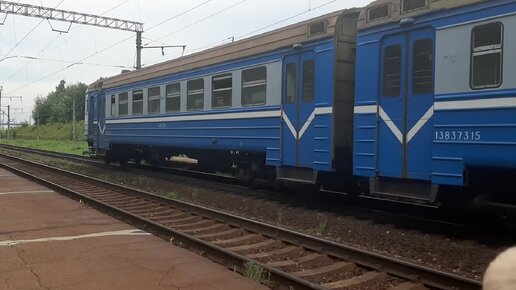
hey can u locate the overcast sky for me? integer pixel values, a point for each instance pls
(212, 23)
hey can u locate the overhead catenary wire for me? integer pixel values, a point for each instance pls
(104, 49)
(178, 15)
(165, 21)
(224, 41)
(287, 19)
(27, 35)
(204, 19)
(31, 59)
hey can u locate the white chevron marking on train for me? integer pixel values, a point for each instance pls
(390, 124)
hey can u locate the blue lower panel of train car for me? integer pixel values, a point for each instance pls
(256, 130)
(473, 131)
(364, 154)
(250, 131)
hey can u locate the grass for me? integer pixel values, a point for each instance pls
(69, 147)
(256, 272)
(280, 216)
(171, 194)
(53, 137)
(195, 195)
(321, 226)
(57, 131)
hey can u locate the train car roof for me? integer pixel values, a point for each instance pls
(382, 12)
(309, 30)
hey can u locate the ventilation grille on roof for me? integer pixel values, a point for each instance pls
(378, 12)
(409, 5)
(317, 28)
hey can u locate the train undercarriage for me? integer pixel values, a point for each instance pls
(487, 189)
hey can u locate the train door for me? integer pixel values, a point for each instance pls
(406, 105)
(99, 119)
(298, 104)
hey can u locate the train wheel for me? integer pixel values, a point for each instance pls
(107, 158)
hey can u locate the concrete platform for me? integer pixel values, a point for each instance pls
(48, 241)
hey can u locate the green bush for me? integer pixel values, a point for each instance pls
(56, 131)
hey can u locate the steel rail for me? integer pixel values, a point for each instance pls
(409, 271)
(229, 259)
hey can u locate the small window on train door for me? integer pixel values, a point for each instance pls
(422, 67)
(123, 104)
(173, 97)
(254, 86)
(290, 83)
(222, 91)
(113, 105)
(308, 81)
(195, 95)
(392, 71)
(138, 102)
(154, 102)
(487, 56)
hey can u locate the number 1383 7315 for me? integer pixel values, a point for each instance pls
(458, 135)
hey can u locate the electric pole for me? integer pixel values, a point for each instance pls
(73, 121)
(8, 122)
(1, 115)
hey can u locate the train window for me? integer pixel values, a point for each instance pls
(173, 97)
(409, 5)
(378, 12)
(195, 96)
(113, 105)
(254, 86)
(422, 68)
(487, 56)
(290, 84)
(137, 102)
(123, 104)
(154, 103)
(222, 86)
(308, 81)
(392, 71)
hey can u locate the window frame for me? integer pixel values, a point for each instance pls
(432, 68)
(384, 66)
(153, 98)
(133, 102)
(254, 84)
(169, 97)
(113, 106)
(405, 11)
(291, 83)
(120, 103)
(190, 93)
(386, 5)
(303, 83)
(311, 28)
(484, 50)
(220, 77)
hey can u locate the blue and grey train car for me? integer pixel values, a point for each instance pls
(435, 98)
(278, 104)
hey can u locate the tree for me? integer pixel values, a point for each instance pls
(57, 107)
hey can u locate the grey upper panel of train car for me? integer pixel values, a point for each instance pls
(386, 11)
(313, 29)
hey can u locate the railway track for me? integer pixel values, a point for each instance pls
(408, 216)
(282, 257)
